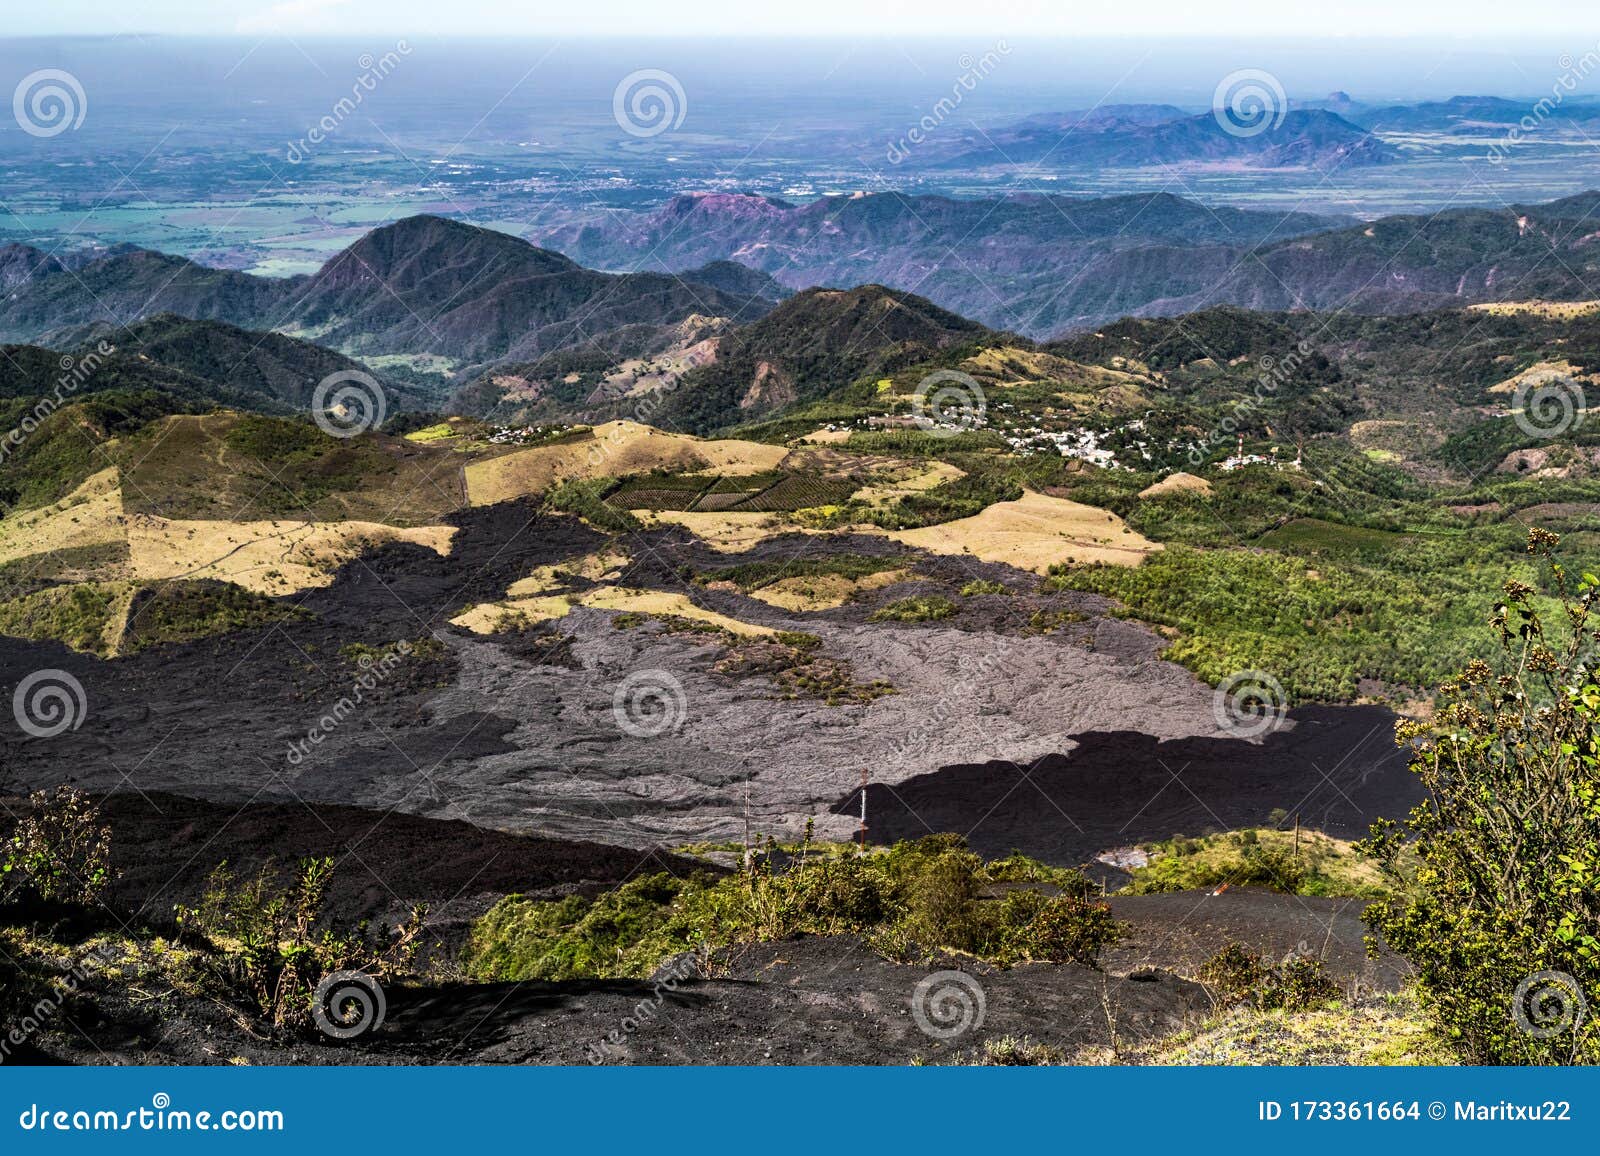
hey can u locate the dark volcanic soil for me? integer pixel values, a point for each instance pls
(811, 1001)
(1063, 744)
(1337, 769)
(164, 847)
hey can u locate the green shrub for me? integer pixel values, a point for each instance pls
(274, 946)
(981, 586)
(1501, 913)
(921, 609)
(908, 902)
(1236, 975)
(60, 851)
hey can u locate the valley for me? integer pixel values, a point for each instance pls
(1110, 568)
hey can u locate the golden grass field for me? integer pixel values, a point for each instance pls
(1533, 373)
(824, 591)
(605, 566)
(616, 448)
(1179, 483)
(89, 516)
(489, 617)
(1034, 533)
(269, 557)
(1555, 310)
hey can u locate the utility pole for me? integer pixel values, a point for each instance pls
(863, 810)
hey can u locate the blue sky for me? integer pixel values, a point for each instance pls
(1490, 20)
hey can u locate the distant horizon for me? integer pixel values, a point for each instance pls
(902, 19)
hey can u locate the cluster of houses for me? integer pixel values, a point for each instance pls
(505, 435)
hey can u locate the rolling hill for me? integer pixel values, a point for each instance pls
(424, 286)
(1045, 266)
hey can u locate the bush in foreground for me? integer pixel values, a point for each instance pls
(1501, 912)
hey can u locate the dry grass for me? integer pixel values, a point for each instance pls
(1369, 1031)
(1534, 372)
(490, 617)
(1555, 310)
(268, 557)
(1179, 483)
(1034, 533)
(726, 533)
(614, 449)
(823, 592)
(827, 437)
(605, 566)
(907, 478)
(89, 516)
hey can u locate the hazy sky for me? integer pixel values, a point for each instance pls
(1578, 20)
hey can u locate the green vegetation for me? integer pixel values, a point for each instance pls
(585, 497)
(185, 611)
(907, 901)
(1298, 863)
(87, 616)
(756, 575)
(1499, 912)
(303, 464)
(924, 608)
(1236, 975)
(69, 445)
(980, 586)
(1318, 628)
(111, 618)
(59, 852)
(274, 945)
